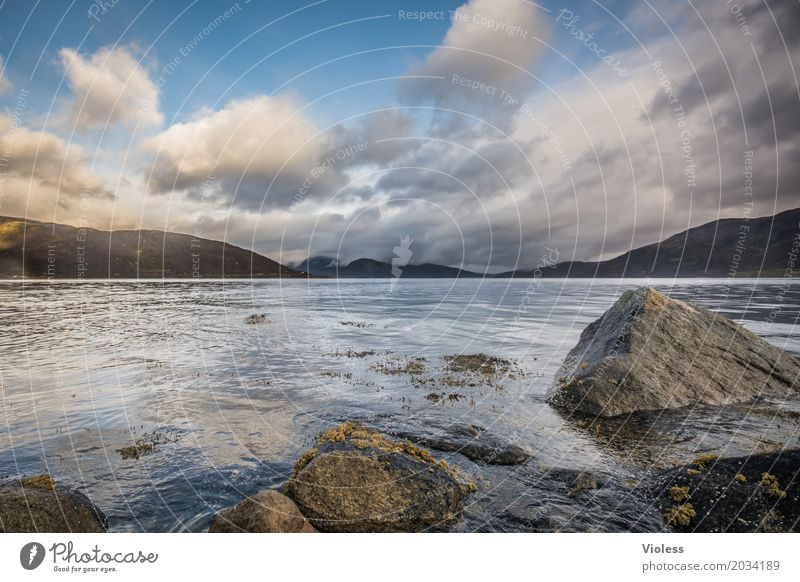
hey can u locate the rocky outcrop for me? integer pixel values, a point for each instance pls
(356, 480)
(649, 352)
(264, 512)
(475, 443)
(760, 493)
(38, 505)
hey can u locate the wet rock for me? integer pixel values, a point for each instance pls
(356, 480)
(649, 352)
(582, 482)
(256, 318)
(575, 481)
(38, 505)
(760, 493)
(544, 503)
(475, 443)
(264, 512)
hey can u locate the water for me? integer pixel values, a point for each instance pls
(87, 367)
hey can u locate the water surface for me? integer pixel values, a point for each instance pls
(87, 367)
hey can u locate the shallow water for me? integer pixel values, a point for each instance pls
(87, 367)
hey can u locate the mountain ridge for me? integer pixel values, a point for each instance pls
(37, 249)
(708, 250)
(45, 250)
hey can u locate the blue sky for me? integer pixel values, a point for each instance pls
(233, 61)
(139, 103)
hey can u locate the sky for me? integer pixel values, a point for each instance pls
(491, 133)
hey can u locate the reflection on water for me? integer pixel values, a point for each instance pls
(87, 368)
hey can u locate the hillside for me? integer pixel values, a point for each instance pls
(709, 250)
(45, 250)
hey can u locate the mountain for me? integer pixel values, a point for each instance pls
(372, 269)
(729, 246)
(45, 250)
(721, 248)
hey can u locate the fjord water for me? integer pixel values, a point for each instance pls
(88, 367)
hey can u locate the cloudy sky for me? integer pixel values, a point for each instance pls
(487, 131)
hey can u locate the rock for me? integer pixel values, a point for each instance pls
(760, 493)
(649, 352)
(575, 481)
(582, 482)
(256, 318)
(264, 512)
(357, 480)
(38, 505)
(475, 443)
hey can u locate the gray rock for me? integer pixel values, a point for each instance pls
(38, 506)
(256, 318)
(264, 512)
(356, 480)
(649, 352)
(582, 482)
(475, 443)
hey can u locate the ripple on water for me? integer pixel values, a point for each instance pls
(88, 367)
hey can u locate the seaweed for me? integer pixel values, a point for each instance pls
(679, 494)
(771, 486)
(704, 460)
(145, 444)
(681, 514)
(43, 481)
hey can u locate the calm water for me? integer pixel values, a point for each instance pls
(87, 367)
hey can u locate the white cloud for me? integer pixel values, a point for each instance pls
(490, 42)
(110, 87)
(42, 172)
(248, 148)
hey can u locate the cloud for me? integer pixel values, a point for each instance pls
(41, 173)
(595, 166)
(257, 150)
(5, 84)
(490, 48)
(110, 87)
(592, 165)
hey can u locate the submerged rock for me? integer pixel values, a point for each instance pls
(574, 481)
(649, 352)
(760, 493)
(38, 505)
(264, 512)
(582, 482)
(256, 318)
(475, 443)
(357, 480)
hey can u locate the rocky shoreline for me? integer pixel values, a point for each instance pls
(646, 353)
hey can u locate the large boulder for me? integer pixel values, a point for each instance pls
(264, 512)
(357, 480)
(759, 493)
(649, 352)
(38, 505)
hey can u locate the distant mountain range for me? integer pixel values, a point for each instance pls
(729, 246)
(372, 269)
(38, 250)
